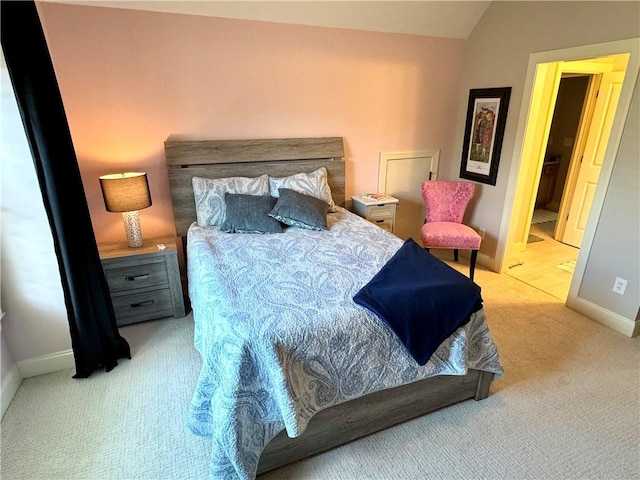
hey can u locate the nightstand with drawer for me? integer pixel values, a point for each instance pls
(380, 210)
(144, 282)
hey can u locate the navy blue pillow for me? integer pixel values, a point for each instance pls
(422, 299)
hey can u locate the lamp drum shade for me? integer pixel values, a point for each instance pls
(125, 192)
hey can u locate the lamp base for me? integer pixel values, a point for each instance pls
(132, 229)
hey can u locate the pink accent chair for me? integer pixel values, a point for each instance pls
(445, 203)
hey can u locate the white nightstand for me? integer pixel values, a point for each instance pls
(381, 211)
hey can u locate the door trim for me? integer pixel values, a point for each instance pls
(512, 204)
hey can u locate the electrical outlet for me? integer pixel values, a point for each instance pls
(619, 285)
(481, 232)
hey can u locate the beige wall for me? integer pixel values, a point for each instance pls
(498, 56)
(129, 79)
(616, 245)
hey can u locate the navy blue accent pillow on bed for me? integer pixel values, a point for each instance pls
(422, 299)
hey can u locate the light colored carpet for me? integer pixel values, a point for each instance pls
(567, 408)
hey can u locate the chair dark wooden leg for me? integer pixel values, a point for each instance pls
(472, 263)
(455, 254)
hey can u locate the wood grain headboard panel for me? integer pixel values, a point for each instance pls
(247, 158)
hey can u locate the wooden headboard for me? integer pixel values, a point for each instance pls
(247, 158)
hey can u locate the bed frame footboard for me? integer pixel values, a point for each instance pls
(362, 416)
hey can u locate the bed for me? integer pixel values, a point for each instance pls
(291, 365)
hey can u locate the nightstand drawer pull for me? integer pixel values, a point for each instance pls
(138, 277)
(142, 304)
(384, 212)
(126, 277)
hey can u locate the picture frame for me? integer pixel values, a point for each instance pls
(483, 133)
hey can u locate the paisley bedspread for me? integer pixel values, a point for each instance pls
(281, 338)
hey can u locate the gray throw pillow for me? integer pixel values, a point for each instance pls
(300, 210)
(249, 214)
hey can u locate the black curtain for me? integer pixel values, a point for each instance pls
(95, 338)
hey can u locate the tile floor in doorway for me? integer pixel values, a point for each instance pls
(546, 264)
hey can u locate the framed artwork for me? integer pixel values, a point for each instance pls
(483, 132)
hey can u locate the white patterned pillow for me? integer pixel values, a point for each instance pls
(314, 184)
(209, 195)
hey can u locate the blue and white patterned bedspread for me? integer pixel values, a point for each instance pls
(281, 338)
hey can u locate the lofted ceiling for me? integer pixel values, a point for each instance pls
(450, 19)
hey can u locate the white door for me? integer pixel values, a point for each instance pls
(591, 163)
(401, 175)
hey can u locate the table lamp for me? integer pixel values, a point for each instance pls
(127, 193)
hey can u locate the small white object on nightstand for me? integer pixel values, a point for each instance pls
(162, 246)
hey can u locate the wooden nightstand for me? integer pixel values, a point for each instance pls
(381, 211)
(144, 282)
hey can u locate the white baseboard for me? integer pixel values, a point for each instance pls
(618, 323)
(53, 362)
(606, 317)
(9, 387)
(486, 261)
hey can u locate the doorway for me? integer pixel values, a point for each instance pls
(562, 166)
(547, 263)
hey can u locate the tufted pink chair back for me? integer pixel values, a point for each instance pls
(446, 201)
